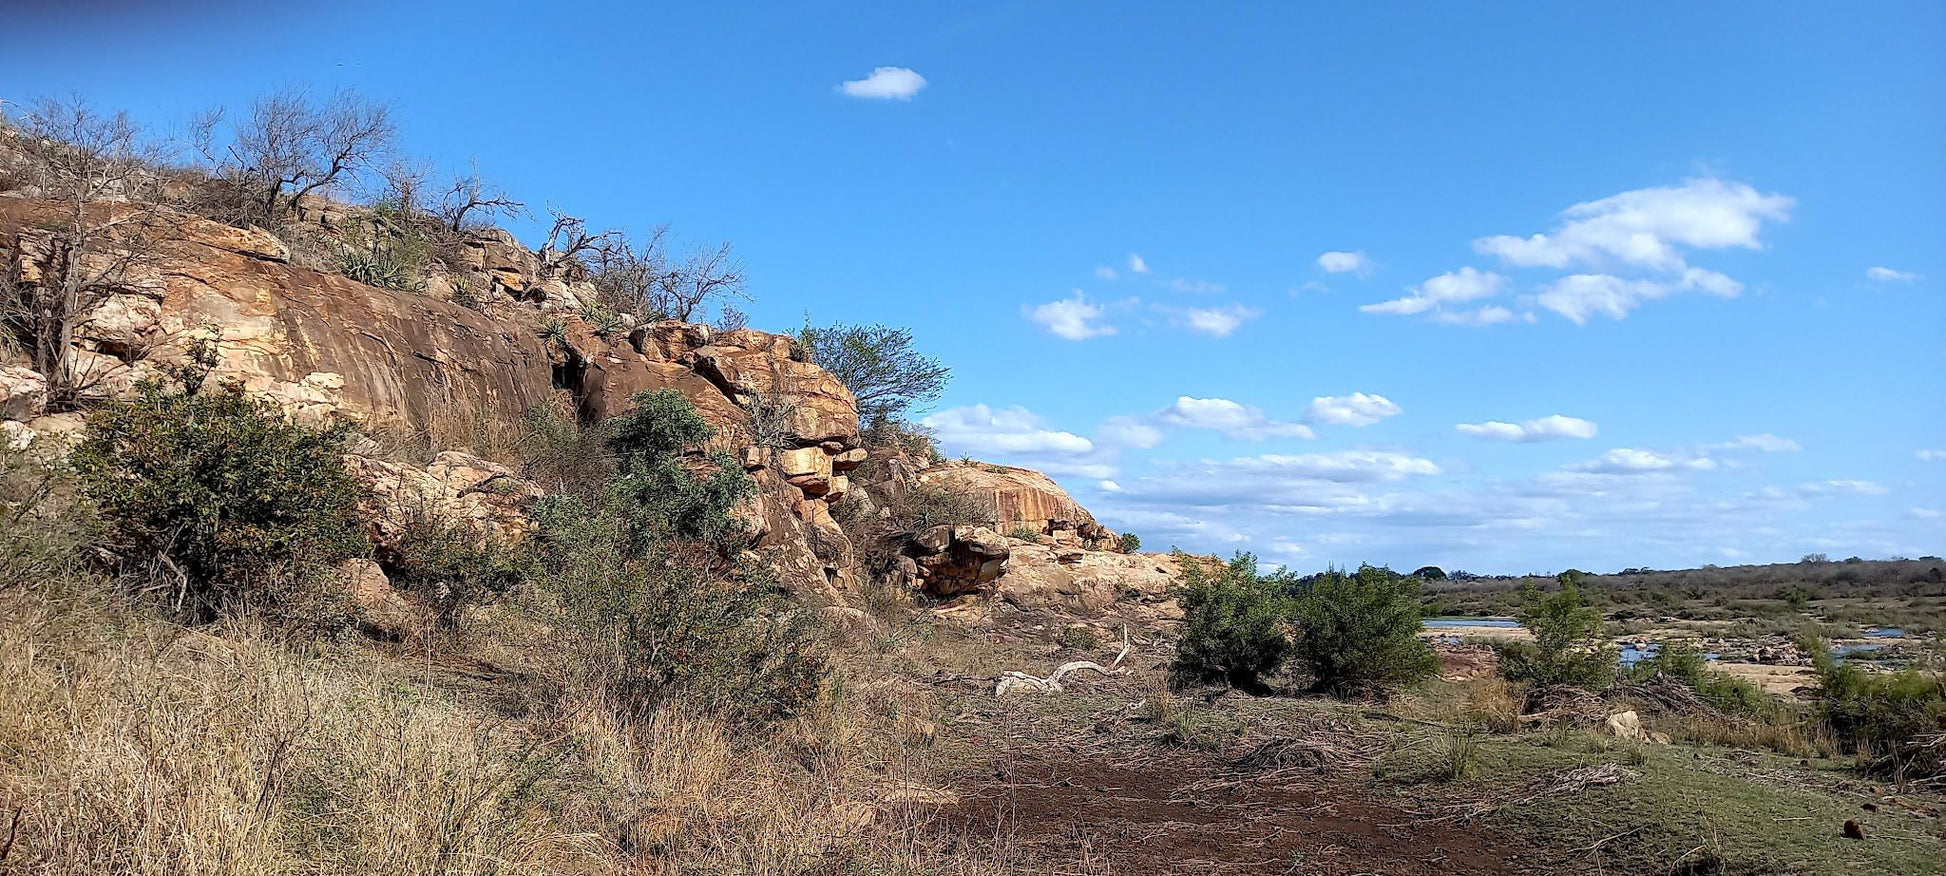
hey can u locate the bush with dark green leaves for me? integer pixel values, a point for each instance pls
(655, 608)
(1357, 632)
(1893, 719)
(1233, 624)
(1567, 647)
(879, 365)
(215, 498)
(1130, 542)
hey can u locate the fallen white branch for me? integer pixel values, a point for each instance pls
(1015, 681)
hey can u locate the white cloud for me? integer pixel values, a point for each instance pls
(1357, 409)
(1887, 275)
(1343, 466)
(1453, 287)
(1072, 318)
(1581, 296)
(1338, 262)
(1839, 487)
(1105, 272)
(1766, 443)
(1231, 418)
(1128, 432)
(885, 83)
(1647, 227)
(1930, 455)
(1492, 314)
(1624, 460)
(1136, 265)
(1218, 322)
(1549, 428)
(1206, 287)
(980, 429)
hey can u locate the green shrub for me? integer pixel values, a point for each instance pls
(453, 567)
(1358, 632)
(662, 490)
(218, 496)
(1895, 719)
(1567, 647)
(1232, 628)
(1130, 542)
(1023, 532)
(649, 601)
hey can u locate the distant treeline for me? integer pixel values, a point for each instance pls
(1813, 578)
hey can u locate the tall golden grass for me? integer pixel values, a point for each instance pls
(133, 746)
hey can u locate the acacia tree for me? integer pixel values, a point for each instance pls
(879, 365)
(100, 171)
(471, 198)
(290, 145)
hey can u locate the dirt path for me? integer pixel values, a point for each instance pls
(1174, 813)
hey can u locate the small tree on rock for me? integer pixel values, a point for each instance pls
(880, 367)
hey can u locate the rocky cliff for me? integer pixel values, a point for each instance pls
(498, 330)
(323, 346)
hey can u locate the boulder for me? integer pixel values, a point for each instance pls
(455, 488)
(1090, 584)
(23, 393)
(1627, 726)
(1018, 498)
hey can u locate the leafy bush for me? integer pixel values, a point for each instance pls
(1567, 647)
(1896, 719)
(1023, 532)
(662, 492)
(1130, 542)
(1232, 627)
(454, 567)
(218, 493)
(650, 602)
(879, 365)
(1358, 632)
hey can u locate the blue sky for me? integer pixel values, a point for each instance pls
(1656, 284)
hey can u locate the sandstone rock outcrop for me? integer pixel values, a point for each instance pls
(1018, 498)
(325, 347)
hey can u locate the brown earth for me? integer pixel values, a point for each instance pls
(1177, 812)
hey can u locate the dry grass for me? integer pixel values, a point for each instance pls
(132, 746)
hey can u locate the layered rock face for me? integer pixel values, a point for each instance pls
(1017, 498)
(325, 347)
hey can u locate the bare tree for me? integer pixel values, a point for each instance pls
(405, 184)
(570, 243)
(707, 276)
(101, 172)
(290, 146)
(472, 198)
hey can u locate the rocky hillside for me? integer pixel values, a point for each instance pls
(499, 329)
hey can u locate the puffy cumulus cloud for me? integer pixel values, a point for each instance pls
(1930, 455)
(1647, 228)
(1217, 322)
(885, 83)
(1137, 265)
(1338, 262)
(1886, 275)
(1626, 460)
(1582, 296)
(978, 429)
(1453, 287)
(1549, 428)
(1128, 432)
(1765, 443)
(1357, 409)
(1230, 418)
(1074, 318)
